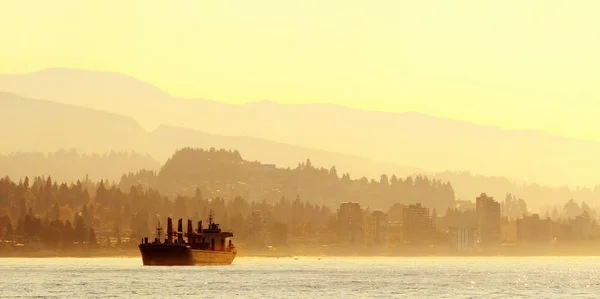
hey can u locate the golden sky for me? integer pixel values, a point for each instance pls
(512, 63)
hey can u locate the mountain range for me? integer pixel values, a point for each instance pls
(102, 111)
(44, 126)
(410, 138)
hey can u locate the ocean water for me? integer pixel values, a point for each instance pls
(304, 277)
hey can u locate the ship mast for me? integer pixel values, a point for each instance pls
(211, 214)
(158, 230)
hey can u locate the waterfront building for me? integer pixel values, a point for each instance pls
(508, 229)
(488, 221)
(532, 230)
(581, 227)
(378, 228)
(416, 224)
(463, 239)
(257, 232)
(350, 223)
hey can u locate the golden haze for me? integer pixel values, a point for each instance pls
(515, 64)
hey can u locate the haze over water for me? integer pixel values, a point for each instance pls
(306, 277)
(322, 128)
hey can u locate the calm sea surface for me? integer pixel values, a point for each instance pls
(306, 277)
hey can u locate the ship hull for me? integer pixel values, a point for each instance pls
(170, 255)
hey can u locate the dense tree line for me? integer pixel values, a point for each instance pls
(85, 212)
(513, 207)
(69, 165)
(62, 215)
(41, 211)
(226, 173)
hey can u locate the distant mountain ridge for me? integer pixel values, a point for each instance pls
(410, 138)
(43, 126)
(70, 166)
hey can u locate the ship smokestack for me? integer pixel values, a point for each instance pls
(190, 231)
(200, 227)
(169, 231)
(180, 231)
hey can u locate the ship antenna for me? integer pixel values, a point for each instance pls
(211, 214)
(158, 230)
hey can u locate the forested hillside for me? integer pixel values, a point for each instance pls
(226, 174)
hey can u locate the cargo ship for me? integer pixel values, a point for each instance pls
(204, 246)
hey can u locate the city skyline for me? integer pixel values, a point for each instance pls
(299, 148)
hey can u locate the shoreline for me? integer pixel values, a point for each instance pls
(556, 250)
(304, 255)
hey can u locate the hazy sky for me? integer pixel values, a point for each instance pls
(513, 63)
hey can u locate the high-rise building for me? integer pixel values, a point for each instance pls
(350, 223)
(378, 228)
(416, 223)
(257, 229)
(488, 221)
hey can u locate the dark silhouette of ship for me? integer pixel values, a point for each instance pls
(202, 247)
